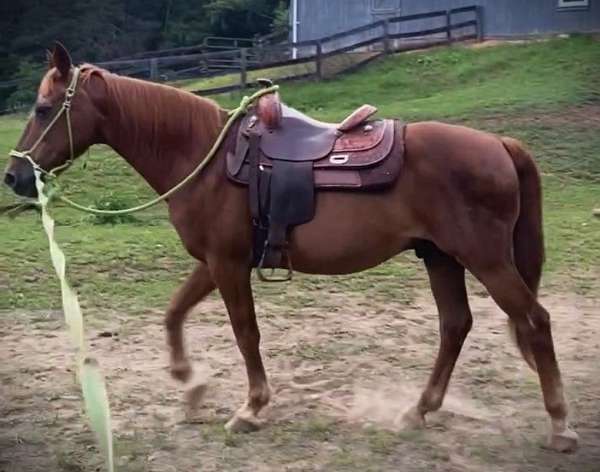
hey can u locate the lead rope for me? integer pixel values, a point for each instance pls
(233, 115)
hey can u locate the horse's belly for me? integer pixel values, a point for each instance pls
(352, 232)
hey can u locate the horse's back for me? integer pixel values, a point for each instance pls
(447, 170)
(459, 156)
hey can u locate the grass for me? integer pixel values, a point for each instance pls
(273, 73)
(330, 66)
(133, 266)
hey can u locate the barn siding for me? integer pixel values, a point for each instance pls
(319, 18)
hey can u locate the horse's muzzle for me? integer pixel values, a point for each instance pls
(21, 180)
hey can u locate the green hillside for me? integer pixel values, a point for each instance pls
(545, 93)
(459, 81)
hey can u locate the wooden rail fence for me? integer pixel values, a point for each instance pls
(213, 58)
(380, 38)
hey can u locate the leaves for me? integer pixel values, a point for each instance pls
(28, 76)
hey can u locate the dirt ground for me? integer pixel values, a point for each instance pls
(342, 368)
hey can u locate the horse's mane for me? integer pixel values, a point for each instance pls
(157, 114)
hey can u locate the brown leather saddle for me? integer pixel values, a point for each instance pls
(283, 155)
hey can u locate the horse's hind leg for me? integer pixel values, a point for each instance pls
(447, 279)
(233, 281)
(198, 285)
(510, 292)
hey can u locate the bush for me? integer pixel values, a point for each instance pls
(28, 76)
(111, 202)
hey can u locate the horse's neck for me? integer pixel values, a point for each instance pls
(162, 147)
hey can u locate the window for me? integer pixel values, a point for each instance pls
(568, 4)
(381, 6)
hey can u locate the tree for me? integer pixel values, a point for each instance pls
(28, 76)
(242, 18)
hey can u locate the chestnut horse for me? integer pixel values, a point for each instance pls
(465, 199)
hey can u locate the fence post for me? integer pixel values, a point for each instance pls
(479, 25)
(153, 69)
(448, 25)
(243, 67)
(319, 60)
(386, 37)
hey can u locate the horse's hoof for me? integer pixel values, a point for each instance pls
(181, 370)
(193, 397)
(241, 423)
(412, 419)
(565, 441)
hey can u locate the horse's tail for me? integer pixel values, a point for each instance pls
(528, 237)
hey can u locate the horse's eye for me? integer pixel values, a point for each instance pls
(42, 111)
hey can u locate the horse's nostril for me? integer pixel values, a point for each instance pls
(10, 179)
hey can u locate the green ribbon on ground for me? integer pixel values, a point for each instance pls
(92, 383)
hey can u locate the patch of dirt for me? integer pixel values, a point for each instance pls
(587, 114)
(488, 43)
(340, 378)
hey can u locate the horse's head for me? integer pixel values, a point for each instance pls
(63, 124)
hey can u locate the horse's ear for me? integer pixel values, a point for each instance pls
(61, 59)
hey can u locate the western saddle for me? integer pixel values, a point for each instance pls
(283, 155)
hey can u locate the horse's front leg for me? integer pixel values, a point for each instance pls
(233, 281)
(198, 285)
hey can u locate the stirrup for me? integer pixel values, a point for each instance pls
(271, 277)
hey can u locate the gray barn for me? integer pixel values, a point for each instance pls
(501, 18)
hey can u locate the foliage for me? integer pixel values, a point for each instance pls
(242, 18)
(111, 202)
(28, 76)
(281, 20)
(185, 23)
